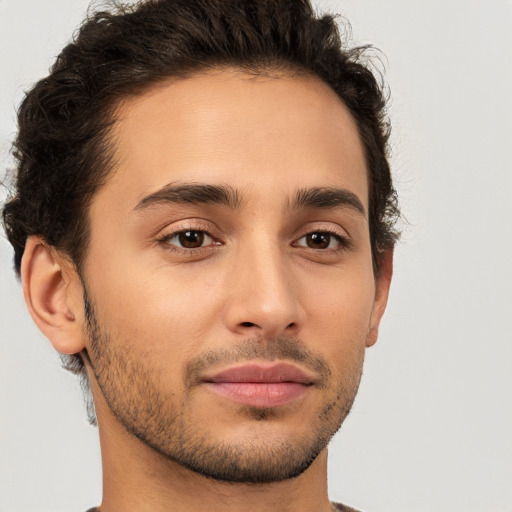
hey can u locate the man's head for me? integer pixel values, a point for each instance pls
(206, 198)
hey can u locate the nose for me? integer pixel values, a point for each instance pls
(263, 295)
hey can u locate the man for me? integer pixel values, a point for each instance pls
(203, 226)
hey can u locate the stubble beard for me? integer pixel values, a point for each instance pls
(161, 421)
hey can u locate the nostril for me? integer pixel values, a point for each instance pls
(247, 324)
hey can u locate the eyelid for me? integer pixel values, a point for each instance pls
(343, 240)
(343, 237)
(322, 227)
(187, 225)
(167, 239)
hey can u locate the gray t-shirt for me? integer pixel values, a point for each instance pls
(338, 506)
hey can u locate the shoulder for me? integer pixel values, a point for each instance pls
(343, 508)
(336, 506)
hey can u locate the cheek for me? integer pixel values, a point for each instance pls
(167, 311)
(341, 309)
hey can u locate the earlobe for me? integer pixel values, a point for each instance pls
(382, 284)
(50, 291)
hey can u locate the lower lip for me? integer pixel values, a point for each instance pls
(259, 394)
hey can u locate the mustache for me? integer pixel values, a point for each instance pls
(281, 348)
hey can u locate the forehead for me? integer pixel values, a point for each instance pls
(272, 134)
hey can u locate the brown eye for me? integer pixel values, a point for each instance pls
(321, 240)
(190, 239)
(318, 240)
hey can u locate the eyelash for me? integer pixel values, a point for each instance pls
(165, 239)
(343, 241)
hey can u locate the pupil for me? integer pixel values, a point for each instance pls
(318, 240)
(191, 239)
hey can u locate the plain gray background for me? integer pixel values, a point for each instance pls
(431, 429)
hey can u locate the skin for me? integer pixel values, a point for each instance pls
(258, 286)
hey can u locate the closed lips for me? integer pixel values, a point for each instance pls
(258, 385)
(256, 373)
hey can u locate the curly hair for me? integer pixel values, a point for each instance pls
(63, 151)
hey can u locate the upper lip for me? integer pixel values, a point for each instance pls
(261, 373)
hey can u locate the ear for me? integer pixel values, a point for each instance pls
(52, 291)
(382, 284)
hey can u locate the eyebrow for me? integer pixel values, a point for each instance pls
(225, 195)
(192, 193)
(326, 197)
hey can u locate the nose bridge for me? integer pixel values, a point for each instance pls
(264, 297)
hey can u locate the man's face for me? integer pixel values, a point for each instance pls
(229, 279)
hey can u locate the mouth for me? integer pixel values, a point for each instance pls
(260, 385)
